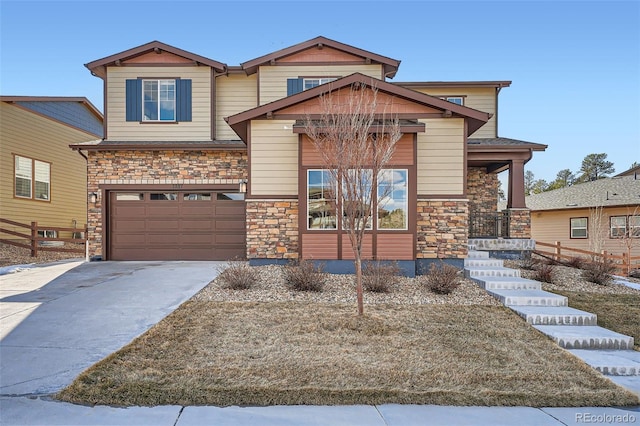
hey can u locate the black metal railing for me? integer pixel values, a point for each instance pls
(488, 225)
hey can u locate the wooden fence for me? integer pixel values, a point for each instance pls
(624, 262)
(34, 239)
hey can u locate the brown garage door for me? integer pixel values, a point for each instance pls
(175, 225)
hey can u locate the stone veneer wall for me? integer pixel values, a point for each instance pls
(156, 167)
(482, 190)
(519, 221)
(272, 229)
(443, 229)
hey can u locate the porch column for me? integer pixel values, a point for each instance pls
(516, 185)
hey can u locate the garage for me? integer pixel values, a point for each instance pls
(176, 225)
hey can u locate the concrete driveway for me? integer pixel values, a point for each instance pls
(58, 320)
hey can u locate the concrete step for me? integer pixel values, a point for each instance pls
(586, 337)
(484, 263)
(611, 362)
(528, 298)
(555, 315)
(473, 254)
(472, 272)
(507, 283)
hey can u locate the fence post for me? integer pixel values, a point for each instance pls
(604, 256)
(34, 243)
(558, 251)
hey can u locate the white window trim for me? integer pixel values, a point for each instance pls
(406, 202)
(572, 228)
(309, 228)
(623, 227)
(159, 81)
(33, 178)
(321, 81)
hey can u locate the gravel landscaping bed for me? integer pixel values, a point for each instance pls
(341, 289)
(13, 255)
(566, 278)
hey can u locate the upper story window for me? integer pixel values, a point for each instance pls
(159, 100)
(310, 83)
(32, 179)
(297, 85)
(454, 99)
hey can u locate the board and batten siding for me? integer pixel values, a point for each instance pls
(554, 225)
(273, 79)
(199, 129)
(440, 157)
(235, 93)
(480, 98)
(274, 158)
(33, 136)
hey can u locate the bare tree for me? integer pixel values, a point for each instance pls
(355, 140)
(598, 230)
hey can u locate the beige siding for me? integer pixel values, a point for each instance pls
(440, 159)
(480, 98)
(274, 158)
(199, 129)
(234, 93)
(29, 135)
(552, 226)
(273, 79)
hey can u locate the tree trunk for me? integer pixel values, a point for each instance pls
(359, 285)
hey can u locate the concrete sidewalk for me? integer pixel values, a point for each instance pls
(24, 411)
(58, 320)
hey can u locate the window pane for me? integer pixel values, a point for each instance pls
(634, 226)
(579, 227)
(43, 178)
(233, 196)
(618, 226)
(165, 196)
(23, 173)
(129, 196)
(197, 197)
(357, 194)
(23, 187)
(455, 100)
(392, 199)
(321, 202)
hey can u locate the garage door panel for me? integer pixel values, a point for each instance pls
(229, 224)
(230, 239)
(177, 229)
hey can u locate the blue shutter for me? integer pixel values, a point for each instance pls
(134, 100)
(183, 100)
(294, 85)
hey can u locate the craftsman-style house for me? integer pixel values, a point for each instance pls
(202, 161)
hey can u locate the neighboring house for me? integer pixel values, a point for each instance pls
(202, 160)
(590, 215)
(42, 179)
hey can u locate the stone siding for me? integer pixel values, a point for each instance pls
(155, 168)
(482, 190)
(519, 221)
(272, 229)
(443, 229)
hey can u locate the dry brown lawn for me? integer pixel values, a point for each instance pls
(267, 353)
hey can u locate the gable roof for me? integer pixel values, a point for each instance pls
(616, 191)
(76, 112)
(390, 65)
(632, 171)
(98, 67)
(475, 118)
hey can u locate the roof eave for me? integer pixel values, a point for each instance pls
(98, 67)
